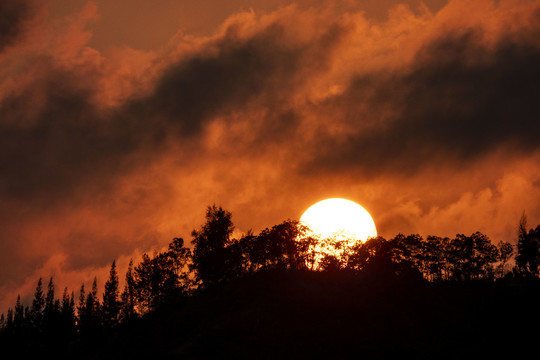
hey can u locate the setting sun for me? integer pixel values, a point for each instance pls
(339, 218)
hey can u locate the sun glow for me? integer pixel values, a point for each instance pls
(337, 225)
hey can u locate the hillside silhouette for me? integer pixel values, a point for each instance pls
(268, 296)
(291, 314)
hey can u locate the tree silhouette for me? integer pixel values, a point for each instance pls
(159, 279)
(471, 257)
(127, 310)
(385, 258)
(407, 252)
(434, 258)
(89, 319)
(209, 247)
(528, 245)
(52, 305)
(243, 250)
(151, 282)
(38, 306)
(236, 259)
(10, 321)
(255, 249)
(485, 254)
(181, 259)
(330, 263)
(51, 314)
(67, 315)
(111, 304)
(506, 250)
(372, 255)
(81, 308)
(281, 246)
(18, 317)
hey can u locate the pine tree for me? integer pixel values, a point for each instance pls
(51, 314)
(10, 321)
(65, 301)
(92, 308)
(96, 304)
(18, 317)
(81, 305)
(67, 313)
(127, 310)
(89, 311)
(111, 305)
(49, 300)
(82, 313)
(38, 305)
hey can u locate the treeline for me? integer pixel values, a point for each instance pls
(162, 280)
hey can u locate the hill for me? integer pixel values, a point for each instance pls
(295, 314)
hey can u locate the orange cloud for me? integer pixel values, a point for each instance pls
(426, 118)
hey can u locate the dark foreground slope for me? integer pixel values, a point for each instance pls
(307, 315)
(335, 315)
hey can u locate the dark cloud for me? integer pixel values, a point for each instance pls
(191, 92)
(13, 14)
(52, 136)
(64, 142)
(460, 100)
(232, 75)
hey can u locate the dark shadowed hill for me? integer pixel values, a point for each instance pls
(286, 314)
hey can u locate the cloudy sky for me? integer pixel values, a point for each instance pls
(121, 121)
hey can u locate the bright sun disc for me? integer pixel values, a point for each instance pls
(339, 218)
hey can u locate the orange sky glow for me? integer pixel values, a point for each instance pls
(120, 122)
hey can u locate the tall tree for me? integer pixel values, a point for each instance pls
(160, 280)
(18, 317)
(375, 254)
(407, 251)
(38, 305)
(182, 258)
(111, 304)
(67, 313)
(210, 242)
(528, 249)
(10, 321)
(506, 250)
(127, 310)
(472, 257)
(81, 306)
(92, 304)
(434, 258)
(281, 245)
(51, 314)
(89, 311)
(49, 300)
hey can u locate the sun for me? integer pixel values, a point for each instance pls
(339, 217)
(338, 225)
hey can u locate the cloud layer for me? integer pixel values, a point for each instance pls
(457, 102)
(429, 120)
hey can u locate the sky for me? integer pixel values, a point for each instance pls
(121, 122)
